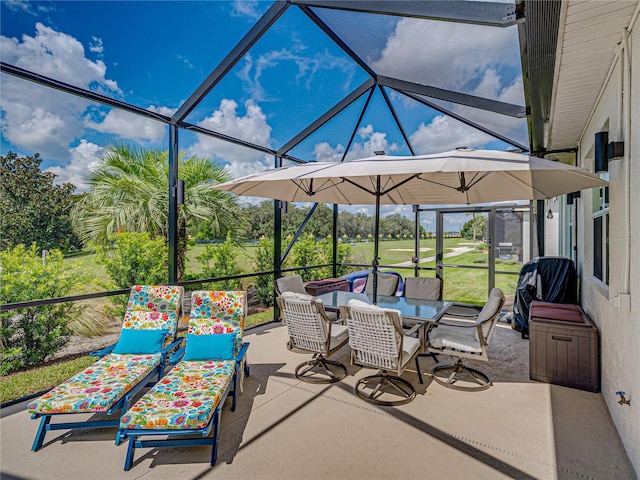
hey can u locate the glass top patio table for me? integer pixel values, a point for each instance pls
(413, 310)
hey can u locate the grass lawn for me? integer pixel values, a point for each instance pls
(21, 384)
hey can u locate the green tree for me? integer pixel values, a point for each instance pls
(130, 192)
(29, 335)
(34, 210)
(475, 228)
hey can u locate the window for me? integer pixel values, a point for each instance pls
(601, 232)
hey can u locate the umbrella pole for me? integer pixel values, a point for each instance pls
(376, 232)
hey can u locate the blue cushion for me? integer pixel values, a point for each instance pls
(140, 341)
(215, 346)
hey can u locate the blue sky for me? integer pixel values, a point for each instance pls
(154, 54)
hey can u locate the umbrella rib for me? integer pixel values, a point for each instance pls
(398, 185)
(474, 181)
(347, 180)
(436, 183)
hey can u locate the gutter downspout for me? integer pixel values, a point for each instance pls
(627, 158)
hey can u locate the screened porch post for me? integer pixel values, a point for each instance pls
(335, 240)
(173, 205)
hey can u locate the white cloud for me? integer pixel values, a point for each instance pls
(96, 45)
(251, 127)
(443, 134)
(85, 158)
(308, 66)
(131, 126)
(40, 119)
(445, 54)
(246, 8)
(372, 141)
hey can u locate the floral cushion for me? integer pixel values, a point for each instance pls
(152, 320)
(186, 398)
(218, 312)
(155, 298)
(98, 387)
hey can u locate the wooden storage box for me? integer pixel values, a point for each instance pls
(319, 287)
(563, 346)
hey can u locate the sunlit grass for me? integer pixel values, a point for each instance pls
(21, 384)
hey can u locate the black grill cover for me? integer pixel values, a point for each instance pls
(556, 284)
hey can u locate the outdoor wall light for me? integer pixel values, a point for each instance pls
(180, 192)
(623, 401)
(605, 151)
(549, 214)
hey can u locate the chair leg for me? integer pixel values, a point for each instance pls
(384, 383)
(460, 372)
(42, 431)
(418, 370)
(322, 366)
(131, 448)
(214, 440)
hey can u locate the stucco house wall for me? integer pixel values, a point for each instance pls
(619, 326)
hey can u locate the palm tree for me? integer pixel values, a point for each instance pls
(129, 192)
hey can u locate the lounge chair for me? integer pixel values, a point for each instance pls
(122, 369)
(188, 401)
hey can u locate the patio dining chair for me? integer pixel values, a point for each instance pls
(123, 369)
(311, 330)
(423, 288)
(468, 339)
(294, 284)
(387, 284)
(377, 340)
(186, 405)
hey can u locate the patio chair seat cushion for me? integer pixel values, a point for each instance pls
(98, 387)
(455, 337)
(185, 399)
(339, 333)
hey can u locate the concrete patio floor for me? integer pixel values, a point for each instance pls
(286, 429)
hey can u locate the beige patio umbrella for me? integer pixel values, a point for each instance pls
(460, 176)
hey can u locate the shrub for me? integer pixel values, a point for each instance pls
(264, 262)
(220, 261)
(307, 251)
(134, 258)
(28, 336)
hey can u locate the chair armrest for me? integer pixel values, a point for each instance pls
(413, 329)
(101, 353)
(176, 356)
(172, 346)
(242, 353)
(454, 323)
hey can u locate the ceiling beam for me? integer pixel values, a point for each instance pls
(80, 92)
(495, 106)
(492, 14)
(464, 120)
